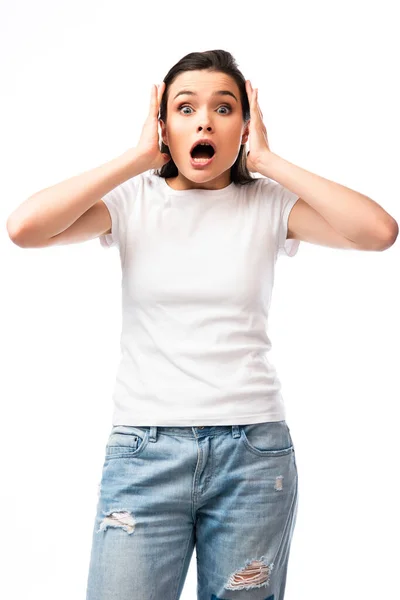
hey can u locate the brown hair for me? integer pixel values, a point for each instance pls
(217, 61)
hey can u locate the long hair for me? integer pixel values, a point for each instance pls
(216, 61)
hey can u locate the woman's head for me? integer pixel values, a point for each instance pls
(223, 118)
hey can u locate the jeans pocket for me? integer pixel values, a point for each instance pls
(271, 438)
(126, 441)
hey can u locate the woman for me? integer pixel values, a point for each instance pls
(200, 454)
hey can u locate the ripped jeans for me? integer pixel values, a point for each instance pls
(230, 491)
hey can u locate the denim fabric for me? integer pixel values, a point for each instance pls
(230, 491)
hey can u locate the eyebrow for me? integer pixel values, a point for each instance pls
(218, 93)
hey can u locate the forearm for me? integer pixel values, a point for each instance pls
(54, 209)
(350, 213)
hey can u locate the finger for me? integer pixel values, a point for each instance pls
(157, 106)
(159, 93)
(258, 106)
(250, 92)
(161, 89)
(253, 106)
(253, 96)
(153, 100)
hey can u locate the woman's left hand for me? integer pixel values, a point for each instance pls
(258, 143)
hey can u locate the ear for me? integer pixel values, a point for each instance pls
(164, 136)
(246, 132)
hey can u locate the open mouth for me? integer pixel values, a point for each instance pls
(202, 153)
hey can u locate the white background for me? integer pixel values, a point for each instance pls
(76, 86)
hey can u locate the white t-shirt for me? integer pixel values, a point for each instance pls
(197, 277)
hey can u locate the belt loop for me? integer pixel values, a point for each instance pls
(235, 431)
(153, 433)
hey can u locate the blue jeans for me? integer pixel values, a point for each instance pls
(228, 490)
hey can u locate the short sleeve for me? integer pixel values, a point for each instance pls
(287, 247)
(119, 202)
(281, 201)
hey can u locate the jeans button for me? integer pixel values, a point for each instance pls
(202, 427)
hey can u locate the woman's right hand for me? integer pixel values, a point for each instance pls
(148, 147)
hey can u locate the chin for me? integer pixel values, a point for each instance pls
(205, 174)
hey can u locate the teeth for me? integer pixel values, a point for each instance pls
(204, 144)
(201, 160)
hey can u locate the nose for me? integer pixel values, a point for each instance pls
(208, 128)
(204, 121)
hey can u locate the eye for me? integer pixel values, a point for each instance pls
(228, 106)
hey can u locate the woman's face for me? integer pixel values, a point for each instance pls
(202, 114)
